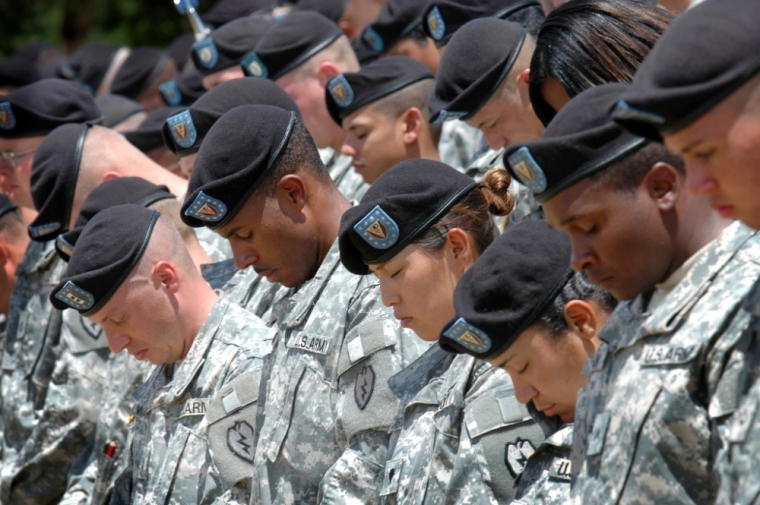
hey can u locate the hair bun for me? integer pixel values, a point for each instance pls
(496, 192)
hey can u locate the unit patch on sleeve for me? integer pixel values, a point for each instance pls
(516, 455)
(365, 386)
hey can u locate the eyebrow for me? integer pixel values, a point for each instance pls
(572, 219)
(232, 232)
(689, 147)
(377, 266)
(504, 363)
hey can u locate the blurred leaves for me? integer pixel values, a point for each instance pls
(70, 23)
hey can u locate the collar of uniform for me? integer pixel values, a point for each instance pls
(408, 382)
(562, 438)
(187, 372)
(39, 257)
(306, 295)
(675, 307)
(340, 166)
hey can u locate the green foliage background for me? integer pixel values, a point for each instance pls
(70, 23)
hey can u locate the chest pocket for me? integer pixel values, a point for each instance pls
(392, 477)
(162, 483)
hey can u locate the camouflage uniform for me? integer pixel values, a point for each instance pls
(326, 407)
(659, 394)
(458, 419)
(547, 474)
(459, 144)
(192, 437)
(218, 274)
(217, 247)
(254, 293)
(51, 386)
(106, 458)
(526, 206)
(349, 183)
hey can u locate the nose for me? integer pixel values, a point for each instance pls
(117, 343)
(349, 149)
(495, 139)
(524, 392)
(389, 296)
(244, 257)
(582, 257)
(698, 179)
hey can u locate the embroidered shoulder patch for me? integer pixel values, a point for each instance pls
(436, 24)
(170, 93)
(253, 66)
(469, 336)
(207, 53)
(240, 437)
(516, 455)
(340, 90)
(365, 386)
(527, 170)
(373, 39)
(75, 297)
(448, 115)
(7, 119)
(182, 129)
(43, 229)
(378, 229)
(624, 111)
(207, 208)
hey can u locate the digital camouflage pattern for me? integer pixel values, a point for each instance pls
(547, 475)
(661, 391)
(324, 405)
(349, 183)
(217, 247)
(460, 143)
(450, 440)
(106, 458)
(254, 293)
(178, 439)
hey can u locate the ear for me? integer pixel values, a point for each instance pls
(165, 274)
(411, 125)
(663, 183)
(522, 82)
(5, 255)
(581, 319)
(326, 71)
(291, 194)
(459, 250)
(110, 175)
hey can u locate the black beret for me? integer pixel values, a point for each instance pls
(41, 107)
(224, 11)
(290, 43)
(397, 209)
(180, 48)
(16, 72)
(349, 92)
(364, 53)
(90, 64)
(138, 72)
(148, 135)
(6, 205)
(396, 20)
(242, 147)
(443, 18)
(507, 289)
(113, 192)
(184, 132)
(475, 63)
(107, 251)
(54, 180)
(581, 140)
(227, 45)
(331, 9)
(184, 90)
(708, 52)
(117, 109)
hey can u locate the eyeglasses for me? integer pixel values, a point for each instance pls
(11, 159)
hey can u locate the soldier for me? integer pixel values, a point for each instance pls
(706, 111)
(418, 229)
(218, 56)
(191, 439)
(16, 72)
(13, 243)
(352, 16)
(95, 65)
(141, 74)
(384, 112)
(661, 392)
(325, 406)
(120, 113)
(184, 90)
(148, 139)
(300, 54)
(590, 42)
(540, 328)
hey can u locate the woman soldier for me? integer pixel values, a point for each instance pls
(521, 308)
(419, 227)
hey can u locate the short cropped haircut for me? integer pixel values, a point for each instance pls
(628, 173)
(414, 95)
(12, 227)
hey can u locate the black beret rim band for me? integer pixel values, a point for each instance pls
(709, 104)
(514, 8)
(306, 55)
(424, 226)
(343, 113)
(157, 197)
(597, 166)
(257, 182)
(533, 316)
(45, 133)
(404, 33)
(128, 270)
